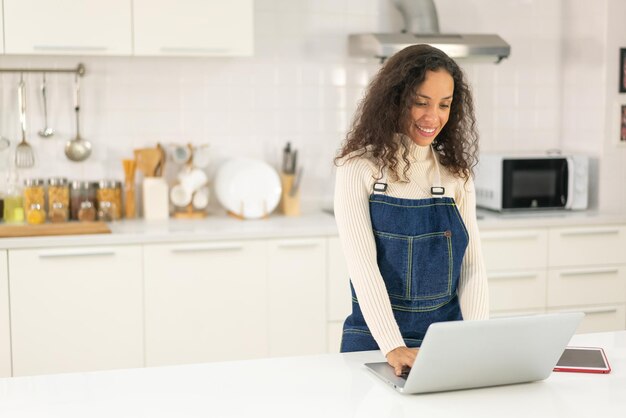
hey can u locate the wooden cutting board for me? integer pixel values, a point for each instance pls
(68, 228)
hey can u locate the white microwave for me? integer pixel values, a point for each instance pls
(532, 182)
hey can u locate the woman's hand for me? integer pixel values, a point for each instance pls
(401, 358)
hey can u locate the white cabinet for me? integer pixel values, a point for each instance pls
(193, 27)
(68, 27)
(76, 309)
(516, 262)
(297, 296)
(558, 269)
(588, 273)
(338, 295)
(205, 301)
(5, 331)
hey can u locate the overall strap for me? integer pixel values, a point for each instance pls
(437, 189)
(380, 186)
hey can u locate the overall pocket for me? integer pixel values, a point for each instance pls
(416, 267)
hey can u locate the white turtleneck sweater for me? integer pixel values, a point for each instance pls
(354, 181)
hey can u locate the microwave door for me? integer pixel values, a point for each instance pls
(540, 183)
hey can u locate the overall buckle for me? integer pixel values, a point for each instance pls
(380, 187)
(437, 190)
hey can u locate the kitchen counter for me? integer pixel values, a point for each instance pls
(312, 223)
(333, 385)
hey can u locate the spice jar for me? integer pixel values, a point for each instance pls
(83, 201)
(58, 200)
(109, 197)
(34, 201)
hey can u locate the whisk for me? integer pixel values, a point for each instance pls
(24, 156)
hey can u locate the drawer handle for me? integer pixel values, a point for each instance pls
(207, 247)
(77, 254)
(599, 311)
(574, 273)
(592, 311)
(297, 244)
(590, 232)
(68, 48)
(500, 276)
(510, 235)
(171, 49)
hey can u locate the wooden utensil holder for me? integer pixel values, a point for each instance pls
(289, 202)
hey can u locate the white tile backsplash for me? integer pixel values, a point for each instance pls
(301, 86)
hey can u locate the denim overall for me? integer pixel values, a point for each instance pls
(420, 244)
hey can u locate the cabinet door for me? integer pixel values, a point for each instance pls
(587, 285)
(515, 249)
(68, 27)
(205, 302)
(517, 290)
(599, 318)
(193, 27)
(76, 309)
(297, 296)
(587, 246)
(5, 333)
(339, 298)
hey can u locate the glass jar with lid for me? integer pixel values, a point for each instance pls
(34, 201)
(13, 203)
(58, 200)
(83, 201)
(109, 197)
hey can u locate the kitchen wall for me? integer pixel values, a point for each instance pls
(301, 86)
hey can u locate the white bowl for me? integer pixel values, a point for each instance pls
(248, 188)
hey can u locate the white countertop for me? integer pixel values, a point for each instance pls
(332, 385)
(312, 223)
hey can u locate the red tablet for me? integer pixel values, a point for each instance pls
(583, 360)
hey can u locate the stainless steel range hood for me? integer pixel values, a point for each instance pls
(422, 27)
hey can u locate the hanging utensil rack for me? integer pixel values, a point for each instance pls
(79, 70)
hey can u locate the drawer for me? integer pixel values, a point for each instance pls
(515, 249)
(599, 318)
(587, 285)
(509, 314)
(517, 290)
(587, 246)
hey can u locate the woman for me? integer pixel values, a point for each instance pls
(405, 206)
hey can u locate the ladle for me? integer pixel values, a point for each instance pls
(46, 131)
(77, 149)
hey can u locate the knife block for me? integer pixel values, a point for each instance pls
(289, 200)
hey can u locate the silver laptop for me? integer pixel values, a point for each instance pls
(471, 354)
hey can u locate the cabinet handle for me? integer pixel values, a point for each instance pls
(68, 48)
(591, 311)
(174, 49)
(499, 276)
(297, 244)
(585, 272)
(509, 235)
(207, 247)
(582, 233)
(76, 253)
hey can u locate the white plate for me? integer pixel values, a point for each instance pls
(248, 188)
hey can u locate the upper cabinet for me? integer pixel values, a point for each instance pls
(193, 27)
(68, 27)
(128, 27)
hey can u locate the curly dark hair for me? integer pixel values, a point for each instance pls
(385, 111)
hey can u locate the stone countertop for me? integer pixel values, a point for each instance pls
(331, 385)
(312, 223)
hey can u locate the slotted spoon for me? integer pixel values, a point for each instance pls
(24, 156)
